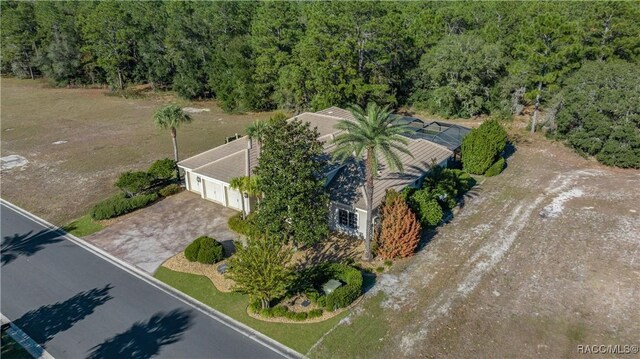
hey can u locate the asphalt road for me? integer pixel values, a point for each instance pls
(76, 304)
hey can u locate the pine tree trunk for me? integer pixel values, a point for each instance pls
(120, 80)
(175, 151)
(369, 194)
(535, 109)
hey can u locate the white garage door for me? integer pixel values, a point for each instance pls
(235, 198)
(214, 191)
(194, 185)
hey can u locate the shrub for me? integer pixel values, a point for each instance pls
(133, 183)
(399, 229)
(191, 252)
(284, 312)
(312, 278)
(163, 169)
(211, 251)
(482, 145)
(205, 250)
(243, 226)
(120, 204)
(496, 168)
(170, 190)
(350, 291)
(443, 186)
(427, 208)
(314, 313)
(464, 181)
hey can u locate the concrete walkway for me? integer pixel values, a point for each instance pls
(150, 236)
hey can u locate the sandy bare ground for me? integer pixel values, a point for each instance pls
(542, 258)
(73, 143)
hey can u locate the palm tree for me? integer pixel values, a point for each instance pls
(256, 130)
(371, 135)
(246, 185)
(170, 117)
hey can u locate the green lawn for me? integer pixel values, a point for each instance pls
(299, 337)
(367, 330)
(83, 226)
(11, 349)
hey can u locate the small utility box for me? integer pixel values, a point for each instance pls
(222, 269)
(331, 285)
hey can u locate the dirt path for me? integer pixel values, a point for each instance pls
(542, 258)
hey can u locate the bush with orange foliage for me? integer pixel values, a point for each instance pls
(399, 231)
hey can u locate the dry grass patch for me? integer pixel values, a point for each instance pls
(77, 141)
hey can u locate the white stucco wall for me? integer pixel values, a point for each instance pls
(334, 223)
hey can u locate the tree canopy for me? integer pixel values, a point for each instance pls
(291, 169)
(445, 56)
(600, 113)
(261, 270)
(452, 58)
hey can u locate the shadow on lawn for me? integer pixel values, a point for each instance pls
(145, 339)
(27, 244)
(45, 322)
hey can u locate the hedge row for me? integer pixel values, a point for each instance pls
(204, 250)
(136, 182)
(170, 190)
(280, 311)
(120, 204)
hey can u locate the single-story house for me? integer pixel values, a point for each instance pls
(210, 172)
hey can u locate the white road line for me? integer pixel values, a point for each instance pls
(140, 274)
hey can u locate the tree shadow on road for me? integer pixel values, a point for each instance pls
(45, 322)
(27, 244)
(144, 340)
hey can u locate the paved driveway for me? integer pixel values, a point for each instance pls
(150, 236)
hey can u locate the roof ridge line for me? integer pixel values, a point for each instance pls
(212, 149)
(220, 159)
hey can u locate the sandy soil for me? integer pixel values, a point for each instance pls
(77, 141)
(542, 258)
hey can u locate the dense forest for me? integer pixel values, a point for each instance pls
(450, 58)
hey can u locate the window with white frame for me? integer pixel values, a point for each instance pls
(347, 219)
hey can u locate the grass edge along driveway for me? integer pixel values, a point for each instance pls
(299, 337)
